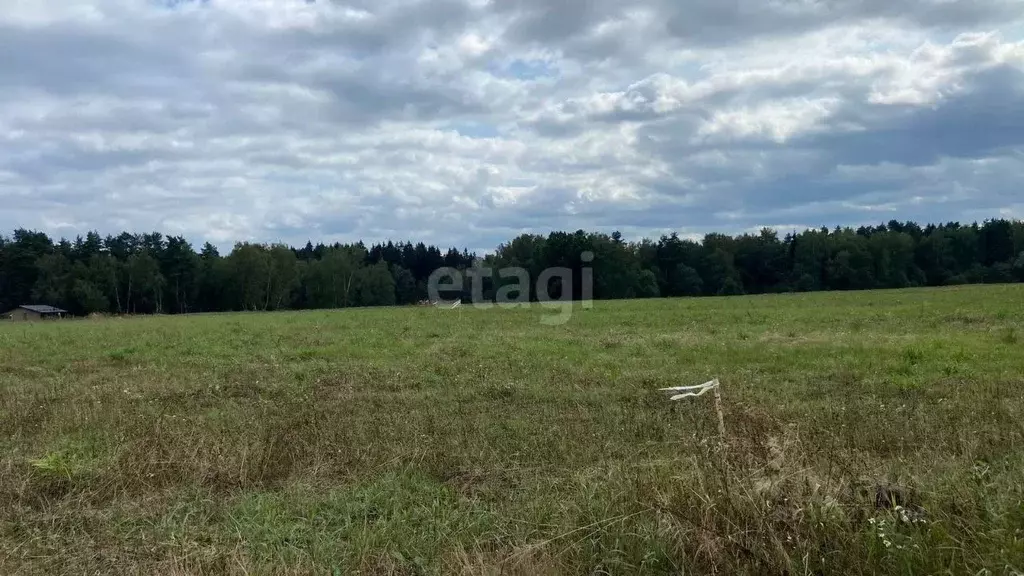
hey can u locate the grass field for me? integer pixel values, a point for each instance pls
(871, 432)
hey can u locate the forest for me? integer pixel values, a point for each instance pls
(152, 273)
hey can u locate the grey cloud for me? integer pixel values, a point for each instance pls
(984, 120)
(355, 100)
(56, 164)
(554, 21)
(391, 26)
(717, 23)
(229, 123)
(800, 179)
(67, 61)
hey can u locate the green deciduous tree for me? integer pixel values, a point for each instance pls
(146, 273)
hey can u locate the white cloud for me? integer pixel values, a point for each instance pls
(464, 122)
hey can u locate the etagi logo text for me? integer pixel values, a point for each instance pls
(514, 287)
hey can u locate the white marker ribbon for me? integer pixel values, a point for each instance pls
(691, 391)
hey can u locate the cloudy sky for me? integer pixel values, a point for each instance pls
(466, 122)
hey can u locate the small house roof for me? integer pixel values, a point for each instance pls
(42, 309)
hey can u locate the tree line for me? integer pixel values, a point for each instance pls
(153, 273)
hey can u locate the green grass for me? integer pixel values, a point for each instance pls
(477, 441)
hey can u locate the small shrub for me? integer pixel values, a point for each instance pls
(913, 356)
(121, 355)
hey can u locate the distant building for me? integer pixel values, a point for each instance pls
(34, 312)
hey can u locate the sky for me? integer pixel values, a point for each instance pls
(467, 122)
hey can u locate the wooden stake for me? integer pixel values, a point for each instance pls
(718, 410)
(723, 445)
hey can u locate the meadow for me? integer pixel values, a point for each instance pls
(867, 432)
